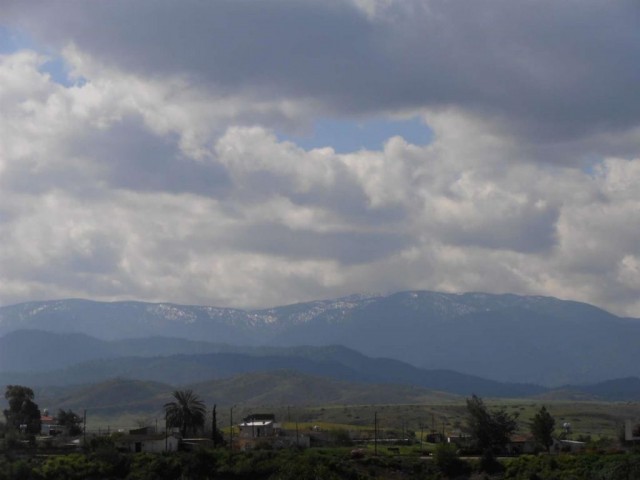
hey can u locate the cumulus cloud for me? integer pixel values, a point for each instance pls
(158, 173)
(548, 70)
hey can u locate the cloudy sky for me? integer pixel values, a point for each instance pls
(254, 153)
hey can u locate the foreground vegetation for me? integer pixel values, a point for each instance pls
(343, 444)
(105, 462)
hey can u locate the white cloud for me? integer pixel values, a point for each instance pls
(165, 179)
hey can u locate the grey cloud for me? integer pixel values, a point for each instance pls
(352, 204)
(524, 230)
(554, 70)
(125, 155)
(136, 159)
(100, 259)
(345, 197)
(348, 248)
(20, 177)
(82, 262)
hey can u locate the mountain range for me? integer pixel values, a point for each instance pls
(505, 338)
(87, 360)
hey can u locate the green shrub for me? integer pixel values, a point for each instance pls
(448, 461)
(75, 466)
(149, 466)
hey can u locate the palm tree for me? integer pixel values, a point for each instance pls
(187, 412)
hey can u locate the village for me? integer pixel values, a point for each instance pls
(263, 431)
(192, 442)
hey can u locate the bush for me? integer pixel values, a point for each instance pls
(73, 467)
(571, 467)
(155, 466)
(448, 461)
(488, 462)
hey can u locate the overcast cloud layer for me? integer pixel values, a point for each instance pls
(156, 169)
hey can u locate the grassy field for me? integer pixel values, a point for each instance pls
(588, 419)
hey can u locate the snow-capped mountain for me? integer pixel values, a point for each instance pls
(503, 337)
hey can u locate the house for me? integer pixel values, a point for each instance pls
(519, 444)
(461, 440)
(191, 444)
(631, 431)
(147, 440)
(572, 446)
(261, 429)
(259, 425)
(434, 437)
(49, 425)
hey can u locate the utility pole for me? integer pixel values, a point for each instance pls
(214, 427)
(375, 433)
(231, 429)
(84, 428)
(253, 426)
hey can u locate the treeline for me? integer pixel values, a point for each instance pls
(589, 466)
(333, 464)
(203, 464)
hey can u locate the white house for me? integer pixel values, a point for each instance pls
(572, 446)
(147, 440)
(262, 429)
(258, 426)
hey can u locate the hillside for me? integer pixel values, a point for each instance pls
(276, 388)
(334, 362)
(509, 338)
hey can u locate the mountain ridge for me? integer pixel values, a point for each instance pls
(172, 365)
(503, 337)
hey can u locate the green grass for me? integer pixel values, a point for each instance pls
(594, 419)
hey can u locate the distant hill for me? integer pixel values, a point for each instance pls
(334, 362)
(110, 397)
(285, 387)
(615, 390)
(522, 339)
(38, 350)
(276, 388)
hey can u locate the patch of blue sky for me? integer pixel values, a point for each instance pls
(13, 40)
(58, 69)
(346, 136)
(592, 164)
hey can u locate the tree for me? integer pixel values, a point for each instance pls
(70, 421)
(447, 459)
(187, 412)
(23, 413)
(216, 434)
(490, 430)
(542, 425)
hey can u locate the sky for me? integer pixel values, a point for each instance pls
(253, 153)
